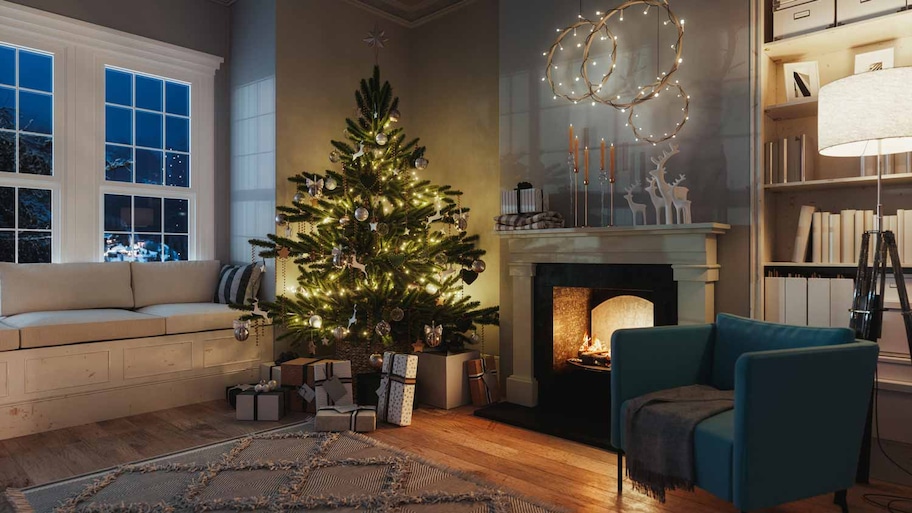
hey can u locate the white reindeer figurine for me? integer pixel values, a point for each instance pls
(681, 203)
(657, 202)
(672, 194)
(635, 207)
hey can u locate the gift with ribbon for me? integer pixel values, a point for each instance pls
(270, 371)
(349, 417)
(253, 405)
(396, 394)
(232, 392)
(523, 199)
(320, 382)
(483, 383)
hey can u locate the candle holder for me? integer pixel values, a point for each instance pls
(603, 184)
(586, 202)
(574, 175)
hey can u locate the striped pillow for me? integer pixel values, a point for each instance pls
(238, 283)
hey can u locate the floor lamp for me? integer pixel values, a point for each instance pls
(870, 114)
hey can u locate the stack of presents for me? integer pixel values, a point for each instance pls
(323, 386)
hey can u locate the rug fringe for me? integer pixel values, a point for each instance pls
(16, 499)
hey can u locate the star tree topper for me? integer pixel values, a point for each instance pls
(376, 39)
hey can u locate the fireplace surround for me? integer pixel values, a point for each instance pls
(689, 250)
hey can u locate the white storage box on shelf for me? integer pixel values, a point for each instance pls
(794, 17)
(848, 11)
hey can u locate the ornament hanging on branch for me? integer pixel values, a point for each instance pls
(433, 334)
(396, 314)
(314, 187)
(479, 266)
(361, 214)
(421, 163)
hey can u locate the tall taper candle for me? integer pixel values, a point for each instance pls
(602, 159)
(586, 166)
(576, 154)
(612, 164)
(570, 144)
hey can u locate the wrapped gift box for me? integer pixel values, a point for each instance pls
(320, 381)
(522, 201)
(397, 388)
(442, 379)
(232, 392)
(483, 383)
(252, 405)
(346, 418)
(270, 371)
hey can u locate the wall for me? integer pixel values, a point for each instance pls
(196, 24)
(253, 130)
(714, 145)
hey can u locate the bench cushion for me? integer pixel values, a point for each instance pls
(71, 286)
(190, 317)
(9, 338)
(162, 283)
(62, 327)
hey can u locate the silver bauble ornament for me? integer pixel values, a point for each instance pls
(338, 332)
(281, 219)
(241, 333)
(334, 157)
(381, 139)
(479, 266)
(440, 259)
(261, 387)
(396, 314)
(330, 183)
(432, 289)
(462, 223)
(376, 361)
(298, 197)
(395, 115)
(421, 163)
(383, 328)
(361, 214)
(474, 338)
(383, 229)
(315, 321)
(338, 260)
(273, 384)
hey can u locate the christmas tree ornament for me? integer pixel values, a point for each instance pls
(241, 333)
(383, 328)
(479, 266)
(396, 260)
(324, 341)
(462, 222)
(373, 226)
(474, 338)
(262, 386)
(360, 153)
(338, 332)
(396, 314)
(421, 163)
(433, 334)
(375, 361)
(354, 318)
(382, 139)
(431, 288)
(361, 214)
(315, 321)
(468, 276)
(281, 219)
(312, 347)
(298, 197)
(331, 183)
(395, 115)
(273, 384)
(314, 187)
(418, 346)
(283, 253)
(334, 157)
(383, 229)
(338, 258)
(344, 220)
(358, 265)
(440, 259)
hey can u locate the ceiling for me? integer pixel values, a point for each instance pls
(410, 13)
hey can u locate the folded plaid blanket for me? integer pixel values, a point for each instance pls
(534, 226)
(529, 219)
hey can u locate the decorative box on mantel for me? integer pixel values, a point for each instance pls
(442, 380)
(690, 249)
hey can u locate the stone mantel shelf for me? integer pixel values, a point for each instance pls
(619, 231)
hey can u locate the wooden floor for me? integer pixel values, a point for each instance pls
(575, 476)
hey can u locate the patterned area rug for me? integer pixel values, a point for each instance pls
(286, 469)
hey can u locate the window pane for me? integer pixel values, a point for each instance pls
(8, 207)
(117, 213)
(118, 87)
(118, 125)
(35, 71)
(7, 108)
(148, 93)
(148, 129)
(34, 247)
(34, 209)
(147, 214)
(177, 170)
(8, 152)
(148, 248)
(176, 247)
(35, 112)
(178, 99)
(35, 154)
(177, 134)
(149, 166)
(7, 65)
(176, 215)
(117, 247)
(118, 163)
(7, 246)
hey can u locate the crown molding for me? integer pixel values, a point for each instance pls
(402, 21)
(226, 3)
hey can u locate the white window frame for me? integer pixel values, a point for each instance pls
(81, 51)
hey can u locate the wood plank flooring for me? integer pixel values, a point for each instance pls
(572, 475)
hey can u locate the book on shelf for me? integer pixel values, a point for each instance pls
(773, 163)
(859, 231)
(803, 235)
(848, 235)
(835, 238)
(842, 291)
(774, 299)
(816, 237)
(796, 301)
(900, 233)
(818, 302)
(907, 235)
(825, 230)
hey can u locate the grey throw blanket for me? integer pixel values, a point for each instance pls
(660, 431)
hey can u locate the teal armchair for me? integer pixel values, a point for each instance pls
(801, 401)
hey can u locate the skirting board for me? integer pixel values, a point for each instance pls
(55, 387)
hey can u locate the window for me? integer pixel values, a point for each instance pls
(26, 111)
(145, 228)
(25, 225)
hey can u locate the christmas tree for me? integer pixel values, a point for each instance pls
(381, 253)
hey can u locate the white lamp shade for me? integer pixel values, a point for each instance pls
(866, 114)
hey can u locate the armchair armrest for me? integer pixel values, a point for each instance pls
(799, 421)
(649, 359)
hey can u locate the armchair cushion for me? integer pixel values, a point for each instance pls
(714, 441)
(738, 335)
